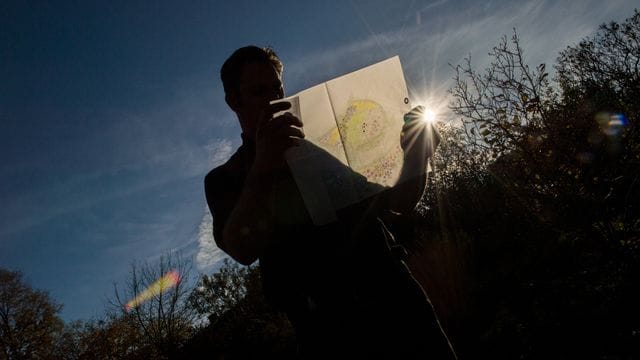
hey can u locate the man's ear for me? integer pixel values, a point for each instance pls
(233, 100)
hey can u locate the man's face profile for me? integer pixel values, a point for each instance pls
(259, 84)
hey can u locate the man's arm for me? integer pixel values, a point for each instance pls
(419, 140)
(249, 228)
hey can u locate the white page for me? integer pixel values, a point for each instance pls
(320, 128)
(369, 105)
(352, 128)
(319, 164)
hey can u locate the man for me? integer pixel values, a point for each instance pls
(340, 286)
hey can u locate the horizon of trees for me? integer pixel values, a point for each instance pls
(527, 239)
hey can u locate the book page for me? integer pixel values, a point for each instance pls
(352, 128)
(369, 105)
(319, 165)
(319, 123)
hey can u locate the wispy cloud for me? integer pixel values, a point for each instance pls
(219, 152)
(131, 156)
(171, 227)
(208, 255)
(427, 46)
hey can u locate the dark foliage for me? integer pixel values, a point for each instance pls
(547, 225)
(29, 322)
(242, 325)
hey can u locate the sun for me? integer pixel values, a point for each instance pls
(429, 115)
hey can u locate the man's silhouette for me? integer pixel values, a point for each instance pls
(342, 288)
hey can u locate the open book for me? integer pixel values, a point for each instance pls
(352, 128)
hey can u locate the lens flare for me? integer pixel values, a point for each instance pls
(611, 124)
(169, 280)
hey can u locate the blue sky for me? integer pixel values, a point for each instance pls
(111, 113)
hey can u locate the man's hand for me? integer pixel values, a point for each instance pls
(249, 228)
(274, 135)
(418, 139)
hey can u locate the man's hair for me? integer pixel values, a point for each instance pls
(232, 68)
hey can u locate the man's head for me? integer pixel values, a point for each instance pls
(251, 77)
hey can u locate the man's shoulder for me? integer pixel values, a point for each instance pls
(222, 172)
(215, 180)
(217, 175)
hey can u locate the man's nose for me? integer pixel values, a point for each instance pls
(277, 94)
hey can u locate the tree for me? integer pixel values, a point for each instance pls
(607, 63)
(164, 318)
(241, 323)
(214, 295)
(109, 338)
(29, 322)
(553, 215)
(70, 341)
(600, 79)
(506, 103)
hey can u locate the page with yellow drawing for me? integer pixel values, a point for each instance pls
(352, 128)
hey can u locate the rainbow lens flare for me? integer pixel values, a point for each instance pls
(611, 124)
(169, 280)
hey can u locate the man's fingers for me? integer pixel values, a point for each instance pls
(292, 132)
(281, 122)
(279, 106)
(286, 119)
(414, 114)
(267, 114)
(281, 130)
